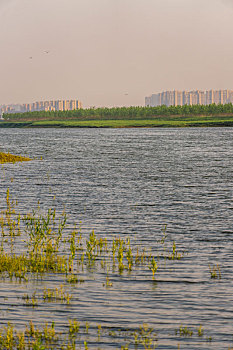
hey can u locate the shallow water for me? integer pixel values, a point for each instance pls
(132, 182)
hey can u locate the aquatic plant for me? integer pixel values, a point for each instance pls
(30, 301)
(75, 335)
(200, 331)
(175, 255)
(73, 279)
(108, 283)
(50, 248)
(153, 266)
(99, 330)
(147, 337)
(10, 158)
(184, 331)
(57, 294)
(73, 327)
(215, 272)
(44, 239)
(164, 231)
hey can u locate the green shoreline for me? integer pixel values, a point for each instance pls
(124, 123)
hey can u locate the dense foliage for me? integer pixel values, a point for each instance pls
(123, 113)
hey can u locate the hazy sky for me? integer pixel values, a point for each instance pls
(102, 49)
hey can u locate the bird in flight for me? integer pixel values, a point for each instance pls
(46, 51)
(30, 57)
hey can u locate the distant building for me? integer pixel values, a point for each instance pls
(181, 98)
(58, 105)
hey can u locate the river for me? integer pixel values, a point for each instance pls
(133, 182)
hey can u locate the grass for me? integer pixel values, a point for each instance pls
(10, 158)
(45, 242)
(50, 249)
(163, 121)
(75, 337)
(215, 272)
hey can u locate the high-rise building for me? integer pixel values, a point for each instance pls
(55, 105)
(187, 98)
(201, 97)
(180, 98)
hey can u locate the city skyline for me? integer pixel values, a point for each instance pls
(52, 105)
(167, 98)
(101, 54)
(194, 97)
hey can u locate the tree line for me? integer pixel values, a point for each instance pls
(123, 113)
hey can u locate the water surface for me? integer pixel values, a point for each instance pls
(131, 182)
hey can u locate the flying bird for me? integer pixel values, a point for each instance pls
(46, 51)
(30, 57)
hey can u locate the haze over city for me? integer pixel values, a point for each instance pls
(113, 52)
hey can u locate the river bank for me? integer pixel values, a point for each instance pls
(147, 123)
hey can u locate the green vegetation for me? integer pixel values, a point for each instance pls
(47, 337)
(184, 332)
(10, 158)
(76, 336)
(47, 248)
(167, 122)
(44, 241)
(215, 272)
(124, 113)
(126, 117)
